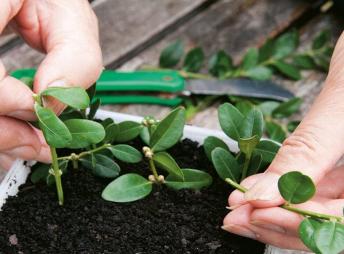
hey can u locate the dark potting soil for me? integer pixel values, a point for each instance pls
(164, 222)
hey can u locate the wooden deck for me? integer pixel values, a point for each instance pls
(133, 32)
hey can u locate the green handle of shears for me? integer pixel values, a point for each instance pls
(146, 81)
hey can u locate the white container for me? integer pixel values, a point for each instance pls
(19, 171)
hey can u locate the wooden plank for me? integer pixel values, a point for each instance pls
(230, 25)
(124, 26)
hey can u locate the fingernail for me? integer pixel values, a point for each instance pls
(268, 226)
(58, 83)
(23, 114)
(239, 230)
(265, 190)
(233, 206)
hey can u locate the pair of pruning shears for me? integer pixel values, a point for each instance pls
(168, 87)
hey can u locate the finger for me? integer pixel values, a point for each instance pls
(19, 140)
(8, 9)
(6, 161)
(69, 36)
(332, 185)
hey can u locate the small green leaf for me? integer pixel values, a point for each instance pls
(304, 62)
(171, 55)
(106, 122)
(250, 59)
(91, 91)
(27, 81)
(307, 230)
(275, 131)
(255, 164)
(285, 44)
(40, 172)
(268, 107)
(230, 120)
(101, 165)
(225, 164)
(265, 51)
(54, 130)
(292, 125)
(126, 153)
(259, 73)
(128, 130)
(84, 132)
(287, 69)
(247, 145)
(321, 39)
(296, 187)
(322, 62)
(193, 179)
(144, 135)
(94, 108)
(267, 149)
(244, 106)
(169, 130)
(220, 63)
(210, 143)
(75, 97)
(165, 161)
(194, 60)
(111, 133)
(252, 125)
(287, 108)
(127, 188)
(329, 237)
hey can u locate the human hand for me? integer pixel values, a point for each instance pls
(277, 226)
(67, 31)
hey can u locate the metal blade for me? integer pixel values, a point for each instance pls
(239, 87)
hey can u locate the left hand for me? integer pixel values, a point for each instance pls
(277, 226)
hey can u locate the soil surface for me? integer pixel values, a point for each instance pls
(165, 222)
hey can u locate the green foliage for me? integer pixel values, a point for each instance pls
(165, 161)
(127, 131)
(210, 143)
(329, 237)
(296, 188)
(307, 230)
(287, 108)
(230, 119)
(194, 60)
(75, 97)
(220, 64)
(275, 131)
(101, 165)
(126, 153)
(127, 188)
(193, 179)
(172, 54)
(225, 164)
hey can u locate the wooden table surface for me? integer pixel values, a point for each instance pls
(133, 33)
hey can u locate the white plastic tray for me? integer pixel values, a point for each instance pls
(18, 173)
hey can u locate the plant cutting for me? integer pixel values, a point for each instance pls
(321, 233)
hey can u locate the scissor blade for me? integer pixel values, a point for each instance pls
(239, 87)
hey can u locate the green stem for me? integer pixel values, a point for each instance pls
(246, 165)
(153, 169)
(57, 175)
(292, 208)
(82, 154)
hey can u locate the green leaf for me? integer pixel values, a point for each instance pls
(127, 188)
(220, 63)
(267, 149)
(165, 161)
(84, 132)
(194, 60)
(193, 179)
(250, 59)
(287, 108)
(225, 164)
(106, 122)
(210, 143)
(322, 62)
(265, 51)
(91, 91)
(304, 62)
(54, 130)
(94, 108)
(329, 237)
(244, 106)
(292, 125)
(321, 39)
(255, 164)
(171, 55)
(259, 73)
(275, 131)
(247, 145)
(296, 187)
(40, 172)
(268, 107)
(126, 153)
(128, 130)
(307, 230)
(75, 97)
(285, 44)
(169, 130)
(111, 133)
(144, 135)
(101, 165)
(287, 69)
(252, 125)
(230, 120)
